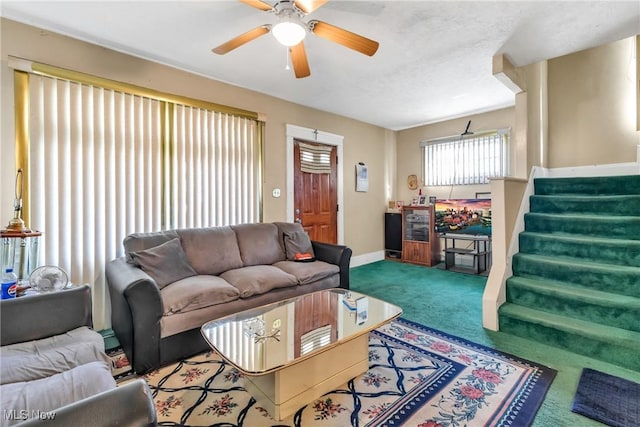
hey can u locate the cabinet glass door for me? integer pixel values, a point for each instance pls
(416, 226)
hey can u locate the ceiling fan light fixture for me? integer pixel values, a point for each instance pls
(289, 31)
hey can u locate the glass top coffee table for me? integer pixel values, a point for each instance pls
(296, 350)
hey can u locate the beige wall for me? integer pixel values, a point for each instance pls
(409, 153)
(581, 108)
(362, 142)
(592, 106)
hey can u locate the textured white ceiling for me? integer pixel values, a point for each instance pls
(434, 60)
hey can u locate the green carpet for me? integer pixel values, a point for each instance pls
(452, 302)
(576, 276)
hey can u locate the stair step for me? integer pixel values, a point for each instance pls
(617, 205)
(619, 279)
(605, 308)
(613, 345)
(576, 279)
(623, 227)
(601, 185)
(598, 249)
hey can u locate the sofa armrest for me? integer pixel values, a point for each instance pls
(136, 311)
(130, 404)
(43, 315)
(334, 254)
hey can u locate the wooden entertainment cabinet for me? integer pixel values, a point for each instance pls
(420, 244)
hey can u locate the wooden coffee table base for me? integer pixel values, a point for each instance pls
(284, 391)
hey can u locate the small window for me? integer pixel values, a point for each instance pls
(472, 159)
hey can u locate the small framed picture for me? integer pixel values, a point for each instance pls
(422, 200)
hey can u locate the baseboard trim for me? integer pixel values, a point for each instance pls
(364, 259)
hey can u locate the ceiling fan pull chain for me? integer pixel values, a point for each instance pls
(287, 58)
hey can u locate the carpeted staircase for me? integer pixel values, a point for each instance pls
(576, 279)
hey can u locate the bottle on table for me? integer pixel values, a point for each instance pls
(9, 284)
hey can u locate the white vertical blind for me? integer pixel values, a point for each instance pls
(103, 165)
(215, 179)
(469, 160)
(94, 176)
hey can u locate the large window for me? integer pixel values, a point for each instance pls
(472, 159)
(103, 162)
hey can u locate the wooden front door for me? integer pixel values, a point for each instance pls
(315, 203)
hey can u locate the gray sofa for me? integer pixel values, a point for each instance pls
(169, 283)
(52, 364)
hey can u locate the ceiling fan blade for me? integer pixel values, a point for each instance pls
(308, 6)
(299, 61)
(344, 37)
(258, 4)
(241, 39)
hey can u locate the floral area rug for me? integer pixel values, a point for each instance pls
(417, 377)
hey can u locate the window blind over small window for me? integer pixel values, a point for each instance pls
(315, 158)
(472, 159)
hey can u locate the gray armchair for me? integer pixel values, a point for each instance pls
(44, 315)
(52, 362)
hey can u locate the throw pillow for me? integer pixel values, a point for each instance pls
(166, 263)
(297, 242)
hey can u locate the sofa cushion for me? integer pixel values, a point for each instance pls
(33, 360)
(286, 227)
(141, 241)
(258, 244)
(165, 263)
(258, 279)
(196, 292)
(48, 394)
(80, 334)
(211, 250)
(308, 272)
(297, 242)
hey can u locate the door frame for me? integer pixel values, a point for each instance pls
(314, 135)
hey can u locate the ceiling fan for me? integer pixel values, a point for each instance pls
(290, 30)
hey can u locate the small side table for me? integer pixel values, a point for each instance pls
(480, 251)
